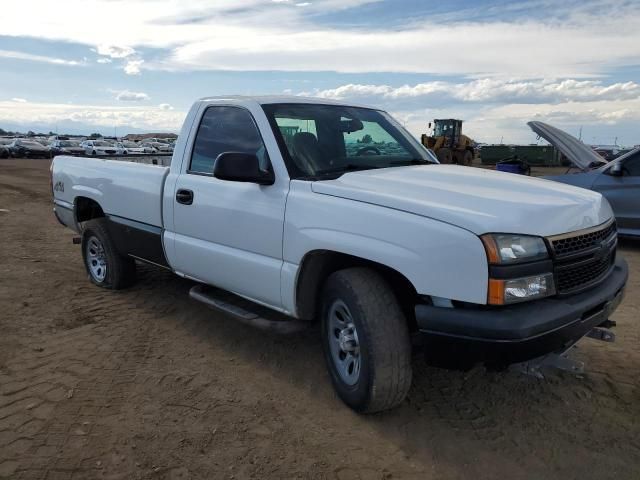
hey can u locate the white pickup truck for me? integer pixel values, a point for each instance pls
(304, 209)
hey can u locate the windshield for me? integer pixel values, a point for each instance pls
(67, 143)
(621, 158)
(97, 143)
(129, 144)
(325, 141)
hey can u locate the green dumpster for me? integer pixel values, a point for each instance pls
(542, 155)
(491, 154)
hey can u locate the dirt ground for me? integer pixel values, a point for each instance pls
(145, 383)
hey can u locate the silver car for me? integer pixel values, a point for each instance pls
(618, 180)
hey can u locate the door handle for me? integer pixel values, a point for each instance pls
(184, 197)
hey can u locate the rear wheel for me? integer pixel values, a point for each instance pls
(105, 266)
(366, 340)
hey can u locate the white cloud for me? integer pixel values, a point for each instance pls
(551, 65)
(277, 36)
(114, 51)
(132, 67)
(19, 100)
(602, 121)
(165, 106)
(128, 96)
(147, 117)
(37, 58)
(489, 90)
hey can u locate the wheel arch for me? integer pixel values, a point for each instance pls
(317, 265)
(86, 209)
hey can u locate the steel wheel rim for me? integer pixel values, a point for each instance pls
(96, 259)
(344, 345)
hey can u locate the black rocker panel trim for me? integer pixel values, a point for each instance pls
(137, 239)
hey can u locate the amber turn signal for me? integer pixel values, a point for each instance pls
(496, 292)
(491, 247)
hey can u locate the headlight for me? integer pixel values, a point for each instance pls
(506, 284)
(508, 248)
(502, 292)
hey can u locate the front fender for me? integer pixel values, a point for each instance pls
(439, 259)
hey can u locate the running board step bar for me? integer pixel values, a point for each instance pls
(246, 311)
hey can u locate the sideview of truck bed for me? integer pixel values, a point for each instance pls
(127, 193)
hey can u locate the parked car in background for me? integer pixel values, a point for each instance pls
(66, 147)
(5, 151)
(160, 140)
(159, 147)
(148, 146)
(25, 148)
(100, 147)
(618, 181)
(128, 147)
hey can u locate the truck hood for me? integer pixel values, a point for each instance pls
(475, 199)
(581, 155)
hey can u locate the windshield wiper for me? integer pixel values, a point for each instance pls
(413, 161)
(349, 167)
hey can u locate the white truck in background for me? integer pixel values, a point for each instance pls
(304, 209)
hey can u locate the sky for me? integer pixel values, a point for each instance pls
(118, 66)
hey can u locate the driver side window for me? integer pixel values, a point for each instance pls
(225, 129)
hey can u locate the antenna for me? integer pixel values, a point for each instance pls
(580, 134)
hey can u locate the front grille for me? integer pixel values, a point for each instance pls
(582, 260)
(575, 244)
(570, 278)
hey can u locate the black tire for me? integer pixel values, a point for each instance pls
(383, 336)
(467, 158)
(120, 270)
(94, 153)
(445, 156)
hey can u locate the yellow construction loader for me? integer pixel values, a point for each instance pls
(448, 142)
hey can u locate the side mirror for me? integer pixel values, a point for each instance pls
(241, 167)
(616, 170)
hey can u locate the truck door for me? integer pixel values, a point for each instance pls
(227, 233)
(623, 193)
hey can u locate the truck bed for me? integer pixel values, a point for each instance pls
(130, 189)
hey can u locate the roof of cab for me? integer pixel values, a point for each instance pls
(270, 99)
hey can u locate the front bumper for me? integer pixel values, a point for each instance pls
(520, 332)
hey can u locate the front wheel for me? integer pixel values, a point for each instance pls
(105, 266)
(467, 158)
(365, 340)
(445, 156)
